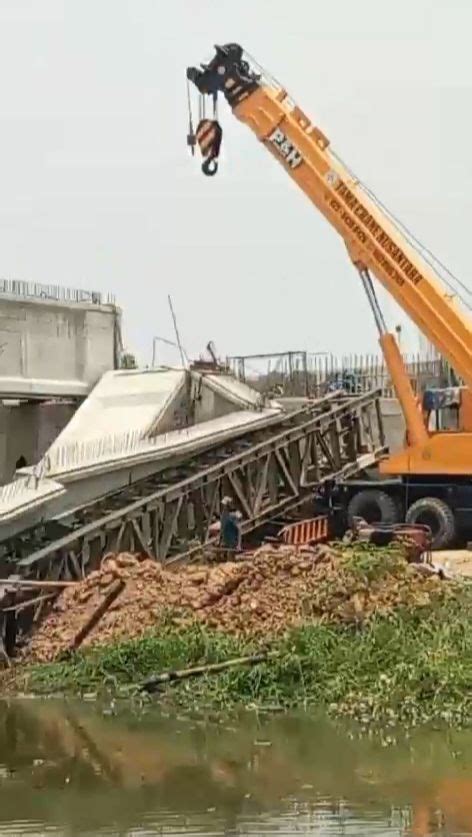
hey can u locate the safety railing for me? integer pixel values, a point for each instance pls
(58, 293)
(313, 375)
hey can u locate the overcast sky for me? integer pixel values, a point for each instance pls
(97, 189)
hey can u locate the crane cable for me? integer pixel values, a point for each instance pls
(191, 138)
(417, 245)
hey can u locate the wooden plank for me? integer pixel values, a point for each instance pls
(153, 682)
(33, 584)
(116, 588)
(18, 608)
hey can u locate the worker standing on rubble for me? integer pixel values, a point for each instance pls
(230, 526)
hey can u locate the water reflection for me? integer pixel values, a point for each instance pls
(70, 769)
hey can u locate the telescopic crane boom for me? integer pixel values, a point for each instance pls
(375, 245)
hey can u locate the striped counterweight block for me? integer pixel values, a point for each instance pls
(303, 532)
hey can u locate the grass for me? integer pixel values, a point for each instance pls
(413, 667)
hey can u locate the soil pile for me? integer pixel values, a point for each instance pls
(275, 589)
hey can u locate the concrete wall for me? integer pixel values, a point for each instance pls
(27, 430)
(212, 405)
(52, 348)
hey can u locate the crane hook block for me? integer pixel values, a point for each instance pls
(209, 134)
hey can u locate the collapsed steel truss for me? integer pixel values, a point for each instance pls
(275, 475)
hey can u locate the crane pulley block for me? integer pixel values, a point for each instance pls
(209, 134)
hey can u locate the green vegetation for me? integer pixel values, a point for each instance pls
(412, 667)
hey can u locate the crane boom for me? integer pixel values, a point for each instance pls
(373, 241)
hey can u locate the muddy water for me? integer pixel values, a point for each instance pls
(85, 769)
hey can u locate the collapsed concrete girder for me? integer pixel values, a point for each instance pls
(265, 479)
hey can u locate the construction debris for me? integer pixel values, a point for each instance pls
(27, 584)
(275, 589)
(157, 680)
(112, 594)
(19, 607)
(415, 538)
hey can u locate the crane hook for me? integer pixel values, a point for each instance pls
(210, 166)
(209, 134)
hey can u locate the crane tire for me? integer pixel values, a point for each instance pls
(436, 514)
(374, 506)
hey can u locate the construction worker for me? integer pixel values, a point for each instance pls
(230, 526)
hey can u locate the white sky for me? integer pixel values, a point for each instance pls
(97, 189)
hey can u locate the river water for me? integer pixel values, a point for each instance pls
(87, 769)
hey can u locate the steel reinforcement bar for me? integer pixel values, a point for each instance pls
(273, 476)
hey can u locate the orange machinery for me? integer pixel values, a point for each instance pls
(440, 460)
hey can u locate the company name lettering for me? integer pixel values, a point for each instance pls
(359, 212)
(286, 149)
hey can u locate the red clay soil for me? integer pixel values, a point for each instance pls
(273, 590)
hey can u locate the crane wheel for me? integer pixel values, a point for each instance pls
(435, 513)
(373, 506)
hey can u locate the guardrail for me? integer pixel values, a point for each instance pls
(59, 293)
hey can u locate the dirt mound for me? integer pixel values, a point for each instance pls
(273, 590)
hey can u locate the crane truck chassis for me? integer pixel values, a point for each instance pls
(444, 506)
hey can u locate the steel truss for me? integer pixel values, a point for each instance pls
(275, 475)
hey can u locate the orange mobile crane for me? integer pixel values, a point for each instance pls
(433, 472)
